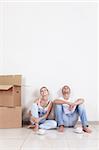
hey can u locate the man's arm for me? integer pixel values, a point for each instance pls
(79, 101)
(59, 101)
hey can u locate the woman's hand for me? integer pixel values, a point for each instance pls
(30, 114)
(35, 120)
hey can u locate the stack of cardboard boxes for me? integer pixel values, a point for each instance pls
(10, 101)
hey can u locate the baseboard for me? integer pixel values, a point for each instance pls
(91, 122)
(94, 122)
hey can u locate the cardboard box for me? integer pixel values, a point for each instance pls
(10, 90)
(10, 117)
(10, 80)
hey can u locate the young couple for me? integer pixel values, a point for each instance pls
(66, 112)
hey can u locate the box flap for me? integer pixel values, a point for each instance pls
(10, 80)
(5, 87)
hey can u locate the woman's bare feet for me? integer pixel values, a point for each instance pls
(31, 126)
(36, 127)
(87, 129)
(61, 128)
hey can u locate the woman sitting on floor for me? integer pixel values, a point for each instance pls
(40, 110)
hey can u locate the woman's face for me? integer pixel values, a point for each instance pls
(44, 91)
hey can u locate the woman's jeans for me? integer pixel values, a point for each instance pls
(43, 124)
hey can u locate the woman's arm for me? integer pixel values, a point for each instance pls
(37, 101)
(37, 120)
(49, 107)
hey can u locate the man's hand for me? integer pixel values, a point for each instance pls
(71, 106)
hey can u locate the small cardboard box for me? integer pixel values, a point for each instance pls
(10, 90)
(10, 117)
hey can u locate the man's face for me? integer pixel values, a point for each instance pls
(66, 91)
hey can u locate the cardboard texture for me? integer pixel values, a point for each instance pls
(10, 90)
(10, 80)
(10, 117)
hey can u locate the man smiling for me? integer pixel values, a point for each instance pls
(67, 113)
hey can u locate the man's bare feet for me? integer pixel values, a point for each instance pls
(61, 128)
(87, 129)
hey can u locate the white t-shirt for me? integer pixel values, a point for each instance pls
(66, 107)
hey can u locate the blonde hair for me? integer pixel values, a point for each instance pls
(44, 87)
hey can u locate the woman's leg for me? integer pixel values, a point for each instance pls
(34, 114)
(34, 110)
(48, 124)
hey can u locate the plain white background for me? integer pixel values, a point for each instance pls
(51, 44)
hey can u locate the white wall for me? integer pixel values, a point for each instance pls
(98, 51)
(1, 39)
(52, 44)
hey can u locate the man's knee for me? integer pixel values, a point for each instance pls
(58, 107)
(81, 100)
(81, 107)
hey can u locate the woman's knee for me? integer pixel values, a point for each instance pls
(34, 105)
(54, 123)
(34, 110)
(48, 124)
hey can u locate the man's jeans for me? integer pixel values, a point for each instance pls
(69, 120)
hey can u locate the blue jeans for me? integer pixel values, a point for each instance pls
(69, 120)
(43, 124)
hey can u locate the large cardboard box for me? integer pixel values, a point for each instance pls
(10, 117)
(10, 90)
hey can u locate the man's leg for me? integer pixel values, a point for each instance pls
(59, 117)
(83, 117)
(70, 120)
